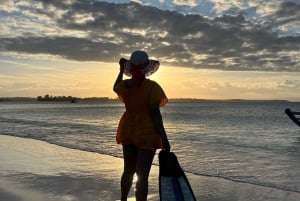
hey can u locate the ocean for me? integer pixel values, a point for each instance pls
(242, 141)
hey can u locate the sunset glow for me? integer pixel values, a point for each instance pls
(207, 49)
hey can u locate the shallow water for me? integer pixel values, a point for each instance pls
(248, 142)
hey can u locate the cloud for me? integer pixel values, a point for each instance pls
(293, 84)
(287, 12)
(189, 3)
(7, 5)
(287, 18)
(101, 31)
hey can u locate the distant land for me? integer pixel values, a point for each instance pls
(50, 98)
(71, 99)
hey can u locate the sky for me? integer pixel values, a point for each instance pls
(208, 49)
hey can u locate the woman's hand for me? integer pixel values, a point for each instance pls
(166, 144)
(122, 66)
(120, 75)
(159, 126)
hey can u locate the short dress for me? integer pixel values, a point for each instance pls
(136, 126)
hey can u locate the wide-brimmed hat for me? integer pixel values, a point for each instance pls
(140, 59)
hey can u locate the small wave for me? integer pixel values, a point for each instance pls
(47, 124)
(237, 180)
(278, 149)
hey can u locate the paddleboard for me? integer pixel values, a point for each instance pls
(292, 116)
(173, 183)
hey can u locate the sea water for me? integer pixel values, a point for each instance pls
(243, 141)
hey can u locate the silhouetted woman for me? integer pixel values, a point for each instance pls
(140, 129)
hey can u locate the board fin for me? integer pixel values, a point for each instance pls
(173, 184)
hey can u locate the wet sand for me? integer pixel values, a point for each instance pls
(32, 170)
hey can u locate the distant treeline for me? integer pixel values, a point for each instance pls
(8, 99)
(48, 97)
(220, 100)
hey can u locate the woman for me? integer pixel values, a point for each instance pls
(140, 129)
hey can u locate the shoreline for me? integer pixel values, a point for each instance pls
(33, 170)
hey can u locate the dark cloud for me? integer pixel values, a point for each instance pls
(67, 47)
(113, 30)
(287, 12)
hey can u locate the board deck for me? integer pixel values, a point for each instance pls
(173, 183)
(293, 116)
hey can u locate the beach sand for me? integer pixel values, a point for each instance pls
(32, 170)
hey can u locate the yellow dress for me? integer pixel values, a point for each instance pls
(136, 126)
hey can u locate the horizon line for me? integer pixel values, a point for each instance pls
(106, 98)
